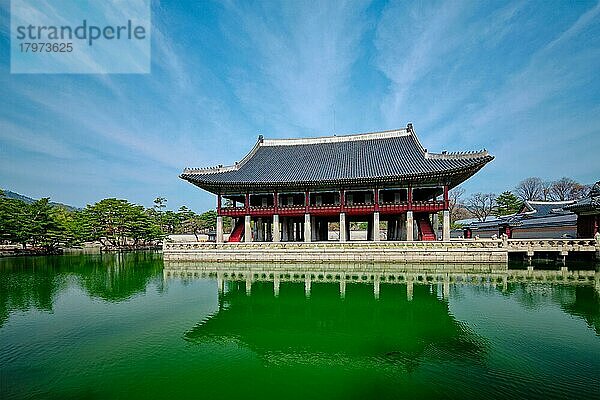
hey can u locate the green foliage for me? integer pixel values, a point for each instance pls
(115, 223)
(507, 204)
(118, 223)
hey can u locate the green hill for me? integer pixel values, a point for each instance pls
(12, 195)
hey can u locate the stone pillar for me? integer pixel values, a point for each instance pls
(391, 229)
(314, 232)
(276, 231)
(284, 229)
(307, 228)
(348, 232)
(410, 230)
(401, 227)
(342, 286)
(376, 232)
(409, 288)
(435, 221)
(376, 287)
(260, 230)
(343, 237)
(247, 230)
(219, 229)
(446, 227)
(295, 231)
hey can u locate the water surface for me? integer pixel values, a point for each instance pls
(108, 326)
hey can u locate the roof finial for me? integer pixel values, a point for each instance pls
(409, 127)
(260, 138)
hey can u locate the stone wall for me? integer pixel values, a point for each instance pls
(489, 251)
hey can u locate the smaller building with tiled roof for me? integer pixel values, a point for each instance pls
(588, 213)
(536, 219)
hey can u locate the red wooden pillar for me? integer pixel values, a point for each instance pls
(306, 201)
(446, 200)
(376, 199)
(410, 199)
(219, 204)
(247, 203)
(276, 202)
(342, 199)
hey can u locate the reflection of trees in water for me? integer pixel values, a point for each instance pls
(28, 282)
(586, 304)
(580, 300)
(117, 277)
(34, 282)
(390, 332)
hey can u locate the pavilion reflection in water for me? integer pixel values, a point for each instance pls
(300, 315)
(376, 275)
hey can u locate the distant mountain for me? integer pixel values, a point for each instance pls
(29, 200)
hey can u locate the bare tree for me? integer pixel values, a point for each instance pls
(454, 198)
(546, 191)
(481, 205)
(567, 189)
(530, 189)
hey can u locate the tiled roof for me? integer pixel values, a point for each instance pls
(545, 208)
(380, 156)
(588, 204)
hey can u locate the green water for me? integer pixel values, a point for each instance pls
(118, 327)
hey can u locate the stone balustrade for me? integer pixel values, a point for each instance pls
(460, 251)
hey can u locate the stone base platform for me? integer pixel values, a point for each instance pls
(468, 251)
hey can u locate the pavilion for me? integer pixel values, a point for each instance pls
(291, 189)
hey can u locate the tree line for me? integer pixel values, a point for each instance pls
(483, 205)
(114, 223)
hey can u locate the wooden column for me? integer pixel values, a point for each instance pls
(219, 204)
(410, 197)
(376, 198)
(446, 199)
(247, 227)
(306, 201)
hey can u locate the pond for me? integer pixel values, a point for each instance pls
(125, 326)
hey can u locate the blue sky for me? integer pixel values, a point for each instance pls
(521, 79)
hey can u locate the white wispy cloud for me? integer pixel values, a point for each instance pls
(300, 57)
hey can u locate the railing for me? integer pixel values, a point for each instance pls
(332, 209)
(550, 245)
(510, 245)
(292, 210)
(454, 245)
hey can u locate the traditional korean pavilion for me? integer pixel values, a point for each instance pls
(588, 213)
(291, 189)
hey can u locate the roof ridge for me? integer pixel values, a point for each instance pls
(456, 154)
(549, 202)
(339, 138)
